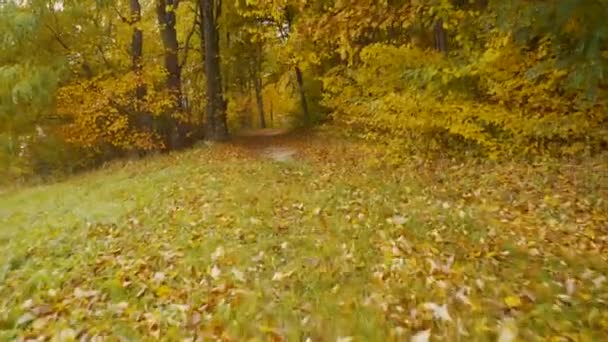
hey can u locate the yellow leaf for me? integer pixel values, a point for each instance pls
(513, 301)
(163, 291)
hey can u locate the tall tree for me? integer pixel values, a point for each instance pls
(441, 37)
(165, 12)
(137, 48)
(302, 92)
(216, 126)
(258, 84)
(298, 71)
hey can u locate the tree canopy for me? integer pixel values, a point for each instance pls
(91, 80)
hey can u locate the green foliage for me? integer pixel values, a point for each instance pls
(27, 80)
(575, 30)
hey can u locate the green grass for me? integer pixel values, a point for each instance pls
(215, 243)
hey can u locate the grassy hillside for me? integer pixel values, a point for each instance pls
(223, 241)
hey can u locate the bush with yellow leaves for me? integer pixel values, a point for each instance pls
(502, 100)
(103, 112)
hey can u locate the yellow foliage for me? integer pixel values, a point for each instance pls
(278, 98)
(505, 100)
(281, 101)
(240, 109)
(105, 111)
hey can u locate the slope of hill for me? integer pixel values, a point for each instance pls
(226, 242)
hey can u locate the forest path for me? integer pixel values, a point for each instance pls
(273, 143)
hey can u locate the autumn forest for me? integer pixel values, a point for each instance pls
(306, 170)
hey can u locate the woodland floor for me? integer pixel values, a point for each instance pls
(308, 237)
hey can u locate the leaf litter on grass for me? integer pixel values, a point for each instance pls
(216, 244)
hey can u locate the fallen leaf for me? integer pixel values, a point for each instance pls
(570, 286)
(440, 312)
(599, 281)
(27, 304)
(163, 291)
(398, 220)
(80, 293)
(67, 334)
(564, 298)
(278, 276)
(421, 336)
(159, 277)
(258, 257)
(344, 339)
(25, 319)
(180, 307)
(218, 253)
(40, 323)
(461, 295)
(513, 302)
(507, 331)
(119, 307)
(238, 275)
(42, 310)
(255, 221)
(215, 272)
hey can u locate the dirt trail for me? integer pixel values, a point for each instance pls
(271, 143)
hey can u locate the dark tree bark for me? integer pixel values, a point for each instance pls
(258, 85)
(271, 115)
(166, 21)
(137, 43)
(260, 100)
(441, 39)
(303, 101)
(298, 71)
(216, 126)
(165, 12)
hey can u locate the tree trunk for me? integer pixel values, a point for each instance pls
(441, 39)
(257, 79)
(299, 77)
(300, 80)
(165, 11)
(216, 127)
(271, 115)
(137, 43)
(260, 100)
